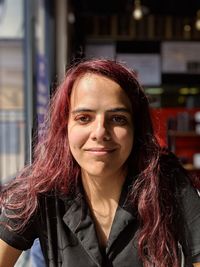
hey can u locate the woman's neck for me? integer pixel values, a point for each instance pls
(103, 190)
(103, 196)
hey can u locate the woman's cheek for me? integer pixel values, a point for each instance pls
(76, 137)
(123, 133)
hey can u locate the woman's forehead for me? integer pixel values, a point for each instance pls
(94, 89)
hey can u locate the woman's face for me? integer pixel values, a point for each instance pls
(100, 127)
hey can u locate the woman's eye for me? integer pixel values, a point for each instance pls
(119, 120)
(83, 119)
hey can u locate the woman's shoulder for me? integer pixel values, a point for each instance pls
(172, 171)
(179, 179)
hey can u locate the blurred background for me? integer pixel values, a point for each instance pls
(160, 40)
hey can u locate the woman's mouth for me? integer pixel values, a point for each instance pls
(100, 151)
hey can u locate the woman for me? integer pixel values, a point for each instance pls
(101, 192)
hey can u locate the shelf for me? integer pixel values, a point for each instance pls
(191, 167)
(183, 133)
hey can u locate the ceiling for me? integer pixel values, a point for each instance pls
(162, 7)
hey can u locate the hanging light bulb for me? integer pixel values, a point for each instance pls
(197, 23)
(137, 12)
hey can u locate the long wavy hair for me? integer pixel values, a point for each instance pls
(54, 169)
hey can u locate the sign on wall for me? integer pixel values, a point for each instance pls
(147, 67)
(180, 57)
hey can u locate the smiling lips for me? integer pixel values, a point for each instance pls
(100, 151)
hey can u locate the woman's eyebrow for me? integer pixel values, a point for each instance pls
(78, 110)
(120, 109)
(117, 109)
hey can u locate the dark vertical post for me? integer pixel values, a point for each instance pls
(28, 76)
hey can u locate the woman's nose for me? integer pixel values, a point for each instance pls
(100, 130)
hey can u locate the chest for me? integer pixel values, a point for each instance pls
(103, 219)
(71, 238)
